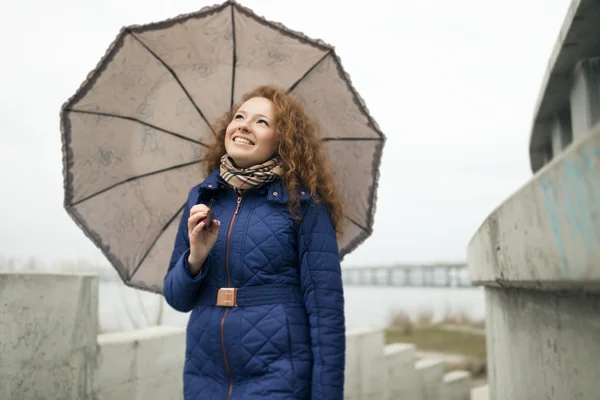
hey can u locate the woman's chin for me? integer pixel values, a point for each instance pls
(240, 159)
(236, 152)
(243, 158)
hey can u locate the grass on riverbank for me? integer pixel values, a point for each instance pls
(439, 339)
(454, 334)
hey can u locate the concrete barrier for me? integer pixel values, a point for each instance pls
(480, 393)
(456, 386)
(546, 236)
(366, 369)
(430, 374)
(402, 379)
(141, 364)
(48, 328)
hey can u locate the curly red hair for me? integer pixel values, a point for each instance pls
(299, 147)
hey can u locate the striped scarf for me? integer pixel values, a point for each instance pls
(242, 179)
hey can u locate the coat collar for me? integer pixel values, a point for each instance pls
(275, 191)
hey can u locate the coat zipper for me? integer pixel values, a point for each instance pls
(235, 213)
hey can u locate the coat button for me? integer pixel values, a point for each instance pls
(210, 185)
(275, 193)
(302, 193)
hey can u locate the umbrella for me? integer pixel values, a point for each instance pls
(135, 132)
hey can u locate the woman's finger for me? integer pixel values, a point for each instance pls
(195, 231)
(214, 229)
(198, 208)
(193, 219)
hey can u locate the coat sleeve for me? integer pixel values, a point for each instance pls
(322, 289)
(180, 288)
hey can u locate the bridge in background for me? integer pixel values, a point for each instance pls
(434, 275)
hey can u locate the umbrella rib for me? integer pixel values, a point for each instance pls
(164, 228)
(234, 57)
(357, 224)
(352, 139)
(133, 178)
(175, 77)
(180, 136)
(308, 71)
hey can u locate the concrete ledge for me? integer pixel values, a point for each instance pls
(141, 364)
(457, 386)
(48, 325)
(430, 375)
(402, 379)
(547, 235)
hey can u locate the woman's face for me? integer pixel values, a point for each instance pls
(250, 138)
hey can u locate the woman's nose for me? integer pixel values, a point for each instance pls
(243, 126)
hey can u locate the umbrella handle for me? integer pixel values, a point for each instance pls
(210, 217)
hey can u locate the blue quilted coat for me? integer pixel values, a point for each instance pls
(285, 338)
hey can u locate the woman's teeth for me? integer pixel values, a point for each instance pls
(242, 140)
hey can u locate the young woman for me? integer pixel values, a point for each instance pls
(263, 282)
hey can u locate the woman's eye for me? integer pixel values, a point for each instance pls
(262, 121)
(238, 116)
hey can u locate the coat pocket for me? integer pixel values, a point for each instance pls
(265, 346)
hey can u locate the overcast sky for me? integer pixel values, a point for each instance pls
(452, 84)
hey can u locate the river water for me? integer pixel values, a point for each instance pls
(123, 308)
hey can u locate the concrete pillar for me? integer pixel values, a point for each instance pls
(365, 365)
(430, 374)
(561, 134)
(142, 364)
(585, 96)
(542, 345)
(547, 155)
(402, 379)
(456, 386)
(48, 328)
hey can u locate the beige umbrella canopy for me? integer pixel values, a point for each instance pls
(135, 132)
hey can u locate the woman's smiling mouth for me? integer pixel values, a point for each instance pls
(243, 140)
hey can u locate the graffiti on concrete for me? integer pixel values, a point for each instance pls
(571, 200)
